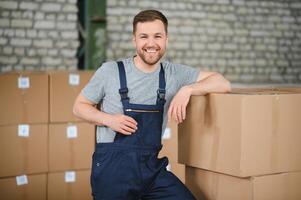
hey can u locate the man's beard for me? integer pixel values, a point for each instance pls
(150, 59)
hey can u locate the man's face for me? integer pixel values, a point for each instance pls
(150, 40)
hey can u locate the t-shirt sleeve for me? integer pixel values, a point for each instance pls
(186, 75)
(95, 88)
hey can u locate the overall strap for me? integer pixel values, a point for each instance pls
(161, 91)
(123, 91)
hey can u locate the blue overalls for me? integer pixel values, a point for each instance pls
(129, 168)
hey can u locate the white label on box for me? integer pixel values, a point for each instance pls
(72, 131)
(166, 134)
(70, 176)
(22, 180)
(23, 130)
(23, 82)
(168, 167)
(74, 79)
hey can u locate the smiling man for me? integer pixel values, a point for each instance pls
(137, 95)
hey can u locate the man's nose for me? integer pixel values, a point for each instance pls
(151, 42)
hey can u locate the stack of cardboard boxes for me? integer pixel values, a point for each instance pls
(240, 146)
(243, 146)
(71, 141)
(44, 150)
(23, 136)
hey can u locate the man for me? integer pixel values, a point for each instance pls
(135, 94)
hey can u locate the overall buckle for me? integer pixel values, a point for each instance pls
(161, 94)
(124, 93)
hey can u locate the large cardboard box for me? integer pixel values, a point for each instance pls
(177, 169)
(73, 185)
(22, 95)
(71, 146)
(243, 134)
(170, 142)
(208, 185)
(64, 88)
(23, 149)
(25, 187)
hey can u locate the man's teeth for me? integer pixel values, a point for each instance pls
(150, 50)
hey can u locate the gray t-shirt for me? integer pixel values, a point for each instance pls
(104, 85)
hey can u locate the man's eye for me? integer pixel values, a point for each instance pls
(143, 37)
(158, 36)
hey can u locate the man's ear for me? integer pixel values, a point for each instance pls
(134, 40)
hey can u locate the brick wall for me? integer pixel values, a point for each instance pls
(248, 41)
(38, 35)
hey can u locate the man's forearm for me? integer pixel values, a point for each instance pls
(214, 83)
(90, 114)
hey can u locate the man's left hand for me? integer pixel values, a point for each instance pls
(177, 108)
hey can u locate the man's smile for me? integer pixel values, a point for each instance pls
(151, 50)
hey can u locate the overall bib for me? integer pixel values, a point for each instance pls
(129, 168)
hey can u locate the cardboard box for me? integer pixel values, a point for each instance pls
(177, 169)
(34, 189)
(208, 185)
(170, 142)
(64, 88)
(22, 95)
(71, 146)
(23, 149)
(242, 134)
(73, 185)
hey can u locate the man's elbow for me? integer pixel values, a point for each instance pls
(227, 86)
(76, 108)
(224, 84)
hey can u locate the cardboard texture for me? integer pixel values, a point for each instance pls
(69, 152)
(34, 190)
(58, 188)
(208, 185)
(64, 88)
(170, 142)
(242, 134)
(177, 169)
(22, 94)
(23, 155)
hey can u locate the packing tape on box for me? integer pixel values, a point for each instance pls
(287, 182)
(24, 83)
(72, 151)
(70, 177)
(21, 181)
(215, 147)
(215, 185)
(274, 162)
(24, 133)
(74, 82)
(72, 134)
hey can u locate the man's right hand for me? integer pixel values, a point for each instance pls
(120, 123)
(86, 110)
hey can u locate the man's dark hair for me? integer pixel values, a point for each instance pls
(149, 16)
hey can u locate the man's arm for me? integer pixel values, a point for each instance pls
(86, 110)
(207, 82)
